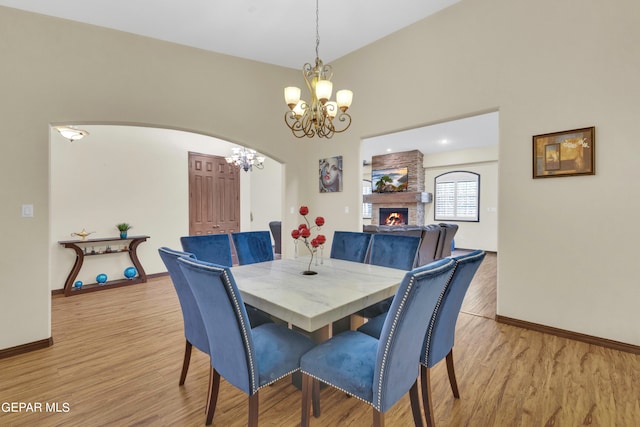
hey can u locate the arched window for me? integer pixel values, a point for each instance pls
(457, 196)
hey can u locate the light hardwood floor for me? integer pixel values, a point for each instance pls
(117, 355)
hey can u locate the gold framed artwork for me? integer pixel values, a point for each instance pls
(567, 153)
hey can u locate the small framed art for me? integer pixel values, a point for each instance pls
(567, 153)
(330, 174)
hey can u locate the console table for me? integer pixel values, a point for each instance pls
(80, 248)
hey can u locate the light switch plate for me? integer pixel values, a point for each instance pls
(27, 211)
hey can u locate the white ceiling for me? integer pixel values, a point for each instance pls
(471, 132)
(279, 32)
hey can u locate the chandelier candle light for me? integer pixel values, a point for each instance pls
(303, 232)
(246, 159)
(320, 116)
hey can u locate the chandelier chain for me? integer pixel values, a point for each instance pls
(317, 30)
(320, 117)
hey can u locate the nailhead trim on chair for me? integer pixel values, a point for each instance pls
(435, 312)
(255, 387)
(386, 350)
(245, 336)
(227, 283)
(388, 344)
(336, 387)
(395, 321)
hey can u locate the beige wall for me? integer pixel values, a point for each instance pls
(483, 161)
(266, 194)
(120, 79)
(137, 175)
(546, 66)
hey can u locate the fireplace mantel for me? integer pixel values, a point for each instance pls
(399, 197)
(414, 198)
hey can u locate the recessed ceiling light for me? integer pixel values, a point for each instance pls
(389, 150)
(444, 141)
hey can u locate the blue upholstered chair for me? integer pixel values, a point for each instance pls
(381, 371)
(248, 358)
(194, 332)
(253, 246)
(438, 343)
(393, 251)
(350, 246)
(214, 248)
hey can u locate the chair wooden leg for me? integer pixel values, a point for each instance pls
(185, 362)
(415, 404)
(378, 418)
(315, 398)
(253, 410)
(307, 390)
(452, 375)
(427, 403)
(214, 387)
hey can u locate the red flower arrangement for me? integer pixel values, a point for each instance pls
(303, 232)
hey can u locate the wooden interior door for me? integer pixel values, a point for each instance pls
(214, 195)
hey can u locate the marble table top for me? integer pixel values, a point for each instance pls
(340, 289)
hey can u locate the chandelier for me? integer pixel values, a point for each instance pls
(245, 158)
(321, 116)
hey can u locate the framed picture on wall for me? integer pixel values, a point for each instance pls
(567, 153)
(330, 174)
(390, 180)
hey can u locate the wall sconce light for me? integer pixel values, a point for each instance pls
(71, 133)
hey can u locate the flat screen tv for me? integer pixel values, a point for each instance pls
(389, 180)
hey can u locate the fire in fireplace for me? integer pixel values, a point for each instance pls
(394, 216)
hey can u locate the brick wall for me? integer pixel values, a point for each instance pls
(412, 160)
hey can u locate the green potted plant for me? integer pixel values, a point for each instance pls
(123, 227)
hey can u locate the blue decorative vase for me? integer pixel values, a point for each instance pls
(78, 284)
(123, 234)
(130, 272)
(101, 278)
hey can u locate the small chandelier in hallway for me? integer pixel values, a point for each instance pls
(246, 159)
(320, 117)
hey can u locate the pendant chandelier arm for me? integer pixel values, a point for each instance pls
(317, 117)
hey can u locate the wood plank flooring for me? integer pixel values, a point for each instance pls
(117, 356)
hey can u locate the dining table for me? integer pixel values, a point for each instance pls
(313, 303)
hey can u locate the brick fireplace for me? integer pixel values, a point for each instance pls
(413, 199)
(393, 216)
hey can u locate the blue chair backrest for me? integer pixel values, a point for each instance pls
(399, 351)
(213, 248)
(194, 330)
(441, 333)
(350, 245)
(226, 322)
(388, 250)
(253, 246)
